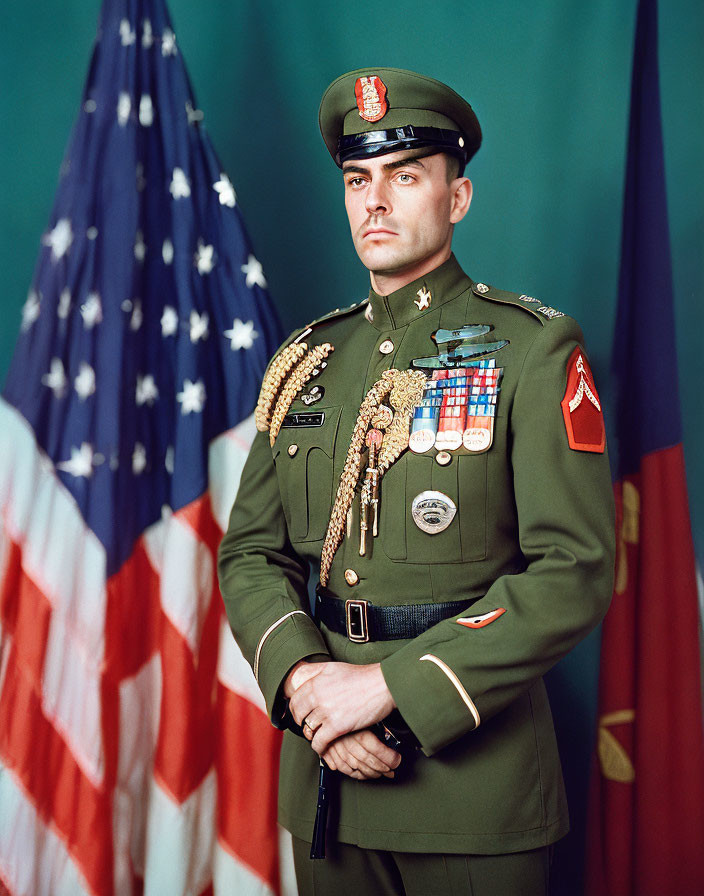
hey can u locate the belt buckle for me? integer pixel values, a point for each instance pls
(356, 619)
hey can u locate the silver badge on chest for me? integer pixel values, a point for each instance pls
(432, 511)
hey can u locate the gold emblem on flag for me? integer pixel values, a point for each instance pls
(614, 761)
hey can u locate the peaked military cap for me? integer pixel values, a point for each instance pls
(373, 111)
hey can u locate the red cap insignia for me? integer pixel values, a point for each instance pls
(371, 98)
(581, 407)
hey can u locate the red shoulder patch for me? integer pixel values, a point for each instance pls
(371, 98)
(581, 407)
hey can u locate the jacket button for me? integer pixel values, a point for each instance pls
(443, 458)
(386, 347)
(292, 449)
(351, 577)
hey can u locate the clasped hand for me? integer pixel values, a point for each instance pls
(335, 703)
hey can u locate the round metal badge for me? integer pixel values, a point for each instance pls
(432, 511)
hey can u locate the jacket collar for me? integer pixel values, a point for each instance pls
(415, 299)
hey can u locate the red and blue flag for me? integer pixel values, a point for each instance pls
(646, 826)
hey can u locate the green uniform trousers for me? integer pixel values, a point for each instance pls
(351, 871)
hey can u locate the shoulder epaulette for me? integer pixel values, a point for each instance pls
(533, 306)
(338, 312)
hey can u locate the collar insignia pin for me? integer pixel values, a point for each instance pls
(424, 298)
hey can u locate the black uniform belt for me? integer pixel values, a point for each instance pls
(361, 621)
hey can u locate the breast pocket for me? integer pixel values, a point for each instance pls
(463, 480)
(303, 456)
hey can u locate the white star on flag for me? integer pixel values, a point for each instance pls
(199, 326)
(137, 316)
(167, 251)
(139, 459)
(30, 310)
(140, 247)
(127, 35)
(124, 107)
(146, 110)
(147, 34)
(242, 335)
(226, 191)
(192, 398)
(81, 462)
(180, 187)
(147, 391)
(92, 311)
(56, 378)
(193, 115)
(60, 239)
(85, 381)
(254, 272)
(168, 43)
(64, 305)
(205, 258)
(169, 321)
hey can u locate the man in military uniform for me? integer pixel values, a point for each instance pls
(438, 453)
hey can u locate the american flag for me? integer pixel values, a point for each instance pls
(135, 755)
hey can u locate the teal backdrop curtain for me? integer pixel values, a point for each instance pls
(550, 84)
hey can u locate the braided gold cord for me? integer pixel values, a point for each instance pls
(298, 378)
(351, 470)
(278, 370)
(407, 392)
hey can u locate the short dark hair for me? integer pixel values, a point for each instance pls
(453, 167)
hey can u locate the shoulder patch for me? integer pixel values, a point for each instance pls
(581, 408)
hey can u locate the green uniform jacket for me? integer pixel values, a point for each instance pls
(533, 535)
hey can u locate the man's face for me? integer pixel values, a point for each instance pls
(401, 211)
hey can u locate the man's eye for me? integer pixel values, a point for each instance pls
(355, 181)
(405, 178)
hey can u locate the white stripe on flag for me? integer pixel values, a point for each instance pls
(287, 873)
(33, 860)
(234, 671)
(180, 840)
(71, 698)
(232, 877)
(36, 506)
(226, 458)
(185, 566)
(140, 700)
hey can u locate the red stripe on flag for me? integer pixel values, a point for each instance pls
(47, 771)
(185, 746)
(199, 516)
(25, 613)
(247, 763)
(133, 616)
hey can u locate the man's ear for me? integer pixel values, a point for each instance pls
(461, 199)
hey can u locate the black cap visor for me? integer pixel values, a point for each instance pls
(377, 143)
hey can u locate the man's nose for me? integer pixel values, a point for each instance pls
(377, 200)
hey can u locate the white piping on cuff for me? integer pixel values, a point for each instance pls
(266, 634)
(469, 703)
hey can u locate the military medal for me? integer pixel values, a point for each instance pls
(433, 511)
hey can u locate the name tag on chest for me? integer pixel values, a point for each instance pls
(300, 421)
